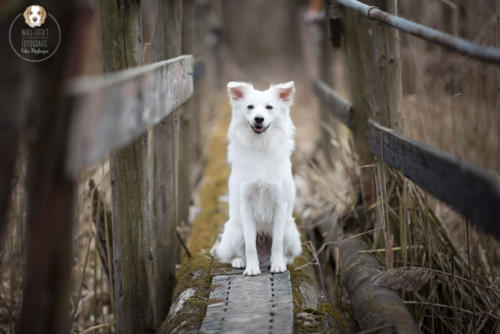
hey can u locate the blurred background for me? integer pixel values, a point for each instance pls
(450, 102)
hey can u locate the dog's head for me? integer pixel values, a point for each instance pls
(261, 109)
(34, 16)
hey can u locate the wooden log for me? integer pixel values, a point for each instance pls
(473, 192)
(113, 110)
(48, 251)
(373, 306)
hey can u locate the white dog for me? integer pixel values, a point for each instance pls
(34, 16)
(261, 187)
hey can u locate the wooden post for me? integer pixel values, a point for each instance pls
(49, 239)
(187, 118)
(372, 53)
(13, 79)
(122, 47)
(165, 173)
(324, 62)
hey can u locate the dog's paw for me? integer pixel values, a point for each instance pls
(278, 267)
(238, 263)
(251, 271)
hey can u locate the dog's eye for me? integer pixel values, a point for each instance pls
(31, 12)
(268, 107)
(38, 13)
(250, 106)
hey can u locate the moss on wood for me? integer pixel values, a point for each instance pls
(196, 272)
(312, 312)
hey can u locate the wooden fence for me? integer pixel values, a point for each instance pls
(142, 115)
(371, 49)
(472, 191)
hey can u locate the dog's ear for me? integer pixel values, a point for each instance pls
(44, 15)
(284, 91)
(238, 90)
(26, 17)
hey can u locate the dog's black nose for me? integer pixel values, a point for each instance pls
(259, 120)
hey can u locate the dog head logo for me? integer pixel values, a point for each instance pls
(34, 16)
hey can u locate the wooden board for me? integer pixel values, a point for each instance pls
(472, 191)
(341, 109)
(112, 110)
(250, 304)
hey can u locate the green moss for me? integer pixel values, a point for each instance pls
(326, 308)
(196, 272)
(324, 319)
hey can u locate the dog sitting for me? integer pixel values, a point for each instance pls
(34, 16)
(261, 186)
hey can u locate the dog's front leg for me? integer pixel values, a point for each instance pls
(250, 236)
(277, 258)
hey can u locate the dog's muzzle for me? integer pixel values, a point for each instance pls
(259, 129)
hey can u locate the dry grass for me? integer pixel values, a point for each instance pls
(445, 291)
(450, 103)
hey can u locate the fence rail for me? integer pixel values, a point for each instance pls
(463, 46)
(337, 106)
(470, 190)
(112, 110)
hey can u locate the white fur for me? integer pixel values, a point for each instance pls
(261, 187)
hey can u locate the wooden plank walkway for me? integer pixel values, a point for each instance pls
(212, 297)
(244, 304)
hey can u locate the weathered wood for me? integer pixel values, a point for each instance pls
(186, 126)
(324, 67)
(261, 304)
(164, 150)
(372, 52)
(373, 306)
(460, 45)
(113, 110)
(48, 251)
(337, 106)
(195, 274)
(472, 191)
(121, 36)
(357, 53)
